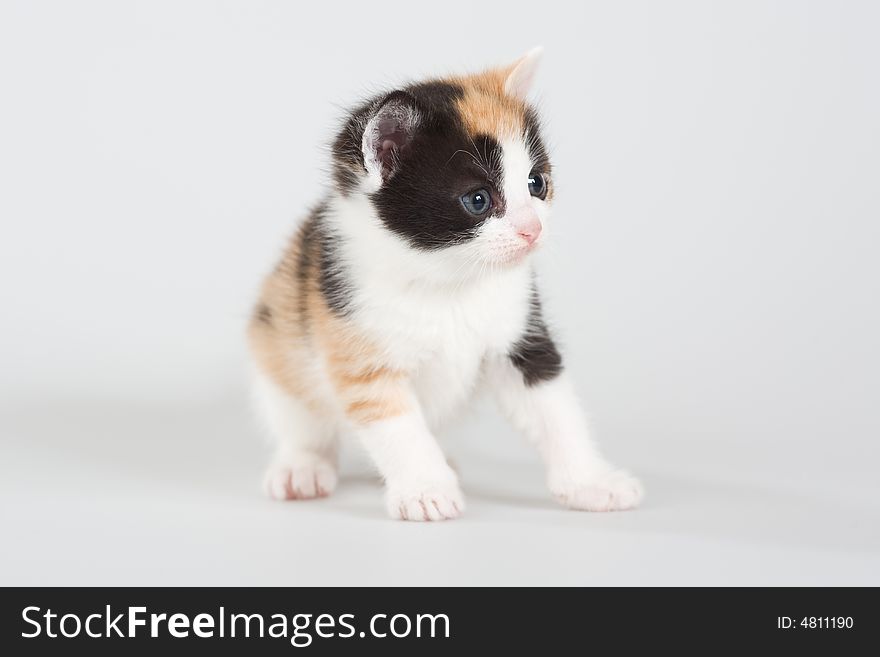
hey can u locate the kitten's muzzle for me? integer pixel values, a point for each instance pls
(526, 224)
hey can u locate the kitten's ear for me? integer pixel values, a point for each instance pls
(388, 135)
(521, 74)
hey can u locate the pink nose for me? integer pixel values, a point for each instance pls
(527, 226)
(530, 235)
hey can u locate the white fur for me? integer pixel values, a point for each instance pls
(304, 465)
(420, 485)
(549, 415)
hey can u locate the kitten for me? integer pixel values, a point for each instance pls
(408, 286)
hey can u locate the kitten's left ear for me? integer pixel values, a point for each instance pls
(521, 74)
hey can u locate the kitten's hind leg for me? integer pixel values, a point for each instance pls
(304, 463)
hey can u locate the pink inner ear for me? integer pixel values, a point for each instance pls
(392, 138)
(391, 133)
(385, 153)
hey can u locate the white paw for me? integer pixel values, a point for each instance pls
(611, 490)
(300, 479)
(435, 502)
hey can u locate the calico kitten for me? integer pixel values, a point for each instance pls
(408, 286)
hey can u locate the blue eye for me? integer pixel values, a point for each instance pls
(477, 202)
(537, 185)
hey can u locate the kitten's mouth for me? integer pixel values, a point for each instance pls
(516, 254)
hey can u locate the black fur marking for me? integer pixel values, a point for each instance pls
(264, 314)
(421, 202)
(428, 166)
(334, 285)
(534, 354)
(348, 157)
(318, 249)
(433, 99)
(440, 162)
(537, 149)
(436, 99)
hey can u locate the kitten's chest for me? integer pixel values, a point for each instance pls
(442, 339)
(455, 327)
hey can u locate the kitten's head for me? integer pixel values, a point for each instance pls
(456, 164)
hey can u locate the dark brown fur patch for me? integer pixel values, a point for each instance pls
(535, 354)
(264, 314)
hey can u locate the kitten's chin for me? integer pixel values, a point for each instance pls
(516, 255)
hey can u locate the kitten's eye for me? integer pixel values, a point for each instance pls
(537, 185)
(477, 202)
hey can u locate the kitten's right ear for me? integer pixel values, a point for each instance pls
(388, 136)
(522, 73)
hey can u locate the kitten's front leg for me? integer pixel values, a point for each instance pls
(420, 485)
(383, 411)
(385, 415)
(540, 401)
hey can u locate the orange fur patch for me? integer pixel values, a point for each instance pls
(369, 390)
(295, 347)
(486, 109)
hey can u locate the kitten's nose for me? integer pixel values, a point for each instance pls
(527, 225)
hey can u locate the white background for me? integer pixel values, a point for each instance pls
(712, 274)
